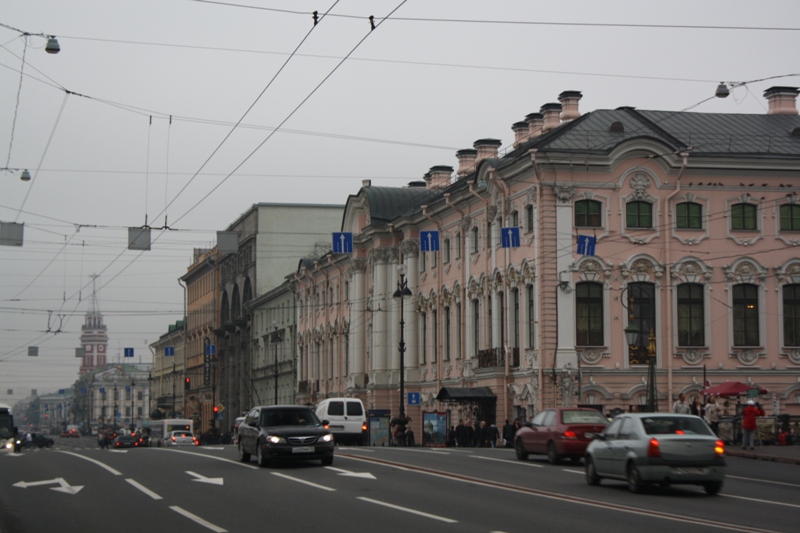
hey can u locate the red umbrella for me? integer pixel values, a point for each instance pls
(731, 388)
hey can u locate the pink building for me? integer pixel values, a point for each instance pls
(696, 223)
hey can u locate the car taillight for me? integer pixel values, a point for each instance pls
(653, 449)
(173, 438)
(364, 426)
(719, 448)
(570, 435)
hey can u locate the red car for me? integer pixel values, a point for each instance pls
(559, 433)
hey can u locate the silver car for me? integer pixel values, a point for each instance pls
(181, 438)
(661, 448)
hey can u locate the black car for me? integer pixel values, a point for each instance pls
(40, 441)
(290, 432)
(125, 441)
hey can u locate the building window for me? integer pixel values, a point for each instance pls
(446, 251)
(531, 317)
(435, 335)
(791, 315)
(743, 216)
(476, 329)
(639, 215)
(790, 217)
(434, 259)
(458, 246)
(515, 325)
(475, 248)
(458, 330)
(330, 295)
(501, 303)
(488, 234)
(587, 213)
(346, 291)
(589, 311)
(446, 349)
(423, 356)
(689, 215)
(691, 315)
(745, 315)
(642, 305)
(422, 265)
(529, 218)
(515, 219)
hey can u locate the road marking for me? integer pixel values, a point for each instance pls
(524, 463)
(365, 475)
(764, 481)
(144, 489)
(303, 481)
(118, 451)
(581, 472)
(407, 510)
(246, 465)
(65, 487)
(204, 479)
(761, 501)
(198, 520)
(98, 463)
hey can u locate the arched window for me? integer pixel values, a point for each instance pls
(745, 315)
(642, 305)
(691, 315)
(743, 217)
(689, 215)
(446, 251)
(589, 314)
(528, 218)
(515, 219)
(791, 315)
(475, 248)
(446, 339)
(587, 213)
(639, 214)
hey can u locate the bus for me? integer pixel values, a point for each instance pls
(6, 428)
(160, 429)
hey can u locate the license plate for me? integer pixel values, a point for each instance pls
(303, 449)
(690, 471)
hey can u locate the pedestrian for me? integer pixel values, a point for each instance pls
(749, 415)
(461, 434)
(482, 435)
(494, 435)
(681, 406)
(469, 442)
(28, 440)
(697, 408)
(101, 439)
(508, 434)
(712, 415)
(517, 425)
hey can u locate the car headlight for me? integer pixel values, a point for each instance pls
(9, 445)
(274, 439)
(327, 438)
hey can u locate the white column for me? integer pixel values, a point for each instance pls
(379, 318)
(566, 356)
(358, 319)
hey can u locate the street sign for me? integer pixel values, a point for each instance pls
(211, 349)
(128, 352)
(169, 351)
(62, 391)
(413, 398)
(586, 245)
(429, 241)
(342, 243)
(752, 393)
(510, 237)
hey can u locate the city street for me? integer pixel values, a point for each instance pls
(76, 486)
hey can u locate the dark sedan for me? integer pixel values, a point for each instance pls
(40, 441)
(125, 441)
(284, 432)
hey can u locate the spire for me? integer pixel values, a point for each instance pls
(95, 309)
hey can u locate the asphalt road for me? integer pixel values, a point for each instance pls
(75, 486)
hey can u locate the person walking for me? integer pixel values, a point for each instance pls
(493, 435)
(749, 414)
(469, 442)
(461, 434)
(508, 434)
(697, 408)
(681, 407)
(712, 415)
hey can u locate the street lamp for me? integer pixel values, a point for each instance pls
(276, 338)
(173, 389)
(632, 338)
(115, 405)
(401, 294)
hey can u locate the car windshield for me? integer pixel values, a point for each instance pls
(676, 425)
(583, 417)
(293, 417)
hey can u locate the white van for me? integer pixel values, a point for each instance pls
(347, 419)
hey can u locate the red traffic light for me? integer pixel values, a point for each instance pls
(187, 383)
(216, 409)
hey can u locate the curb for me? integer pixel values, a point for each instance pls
(773, 458)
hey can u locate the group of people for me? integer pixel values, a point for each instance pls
(464, 435)
(712, 411)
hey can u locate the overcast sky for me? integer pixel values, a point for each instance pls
(92, 123)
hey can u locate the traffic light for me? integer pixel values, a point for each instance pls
(216, 409)
(187, 383)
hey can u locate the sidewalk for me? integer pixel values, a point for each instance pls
(779, 454)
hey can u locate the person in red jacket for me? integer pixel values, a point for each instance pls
(749, 414)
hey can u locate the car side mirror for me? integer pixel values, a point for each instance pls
(600, 436)
(326, 423)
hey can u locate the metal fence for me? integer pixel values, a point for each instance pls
(768, 429)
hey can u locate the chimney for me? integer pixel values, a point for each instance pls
(569, 104)
(782, 100)
(551, 114)
(366, 183)
(466, 161)
(521, 133)
(535, 122)
(487, 148)
(438, 177)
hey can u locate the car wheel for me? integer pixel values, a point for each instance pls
(522, 455)
(243, 455)
(49, 444)
(261, 459)
(591, 473)
(327, 461)
(712, 488)
(575, 459)
(635, 483)
(552, 455)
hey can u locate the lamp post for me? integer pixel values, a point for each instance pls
(173, 389)
(133, 424)
(115, 405)
(276, 338)
(401, 294)
(632, 338)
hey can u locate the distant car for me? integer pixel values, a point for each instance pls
(289, 432)
(662, 448)
(125, 441)
(65, 434)
(74, 433)
(144, 440)
(559, 433)
(40, 441)
(182, 438)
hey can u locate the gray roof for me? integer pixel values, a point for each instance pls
(389, 203)
(728, 135)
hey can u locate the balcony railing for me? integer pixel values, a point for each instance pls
(495, 357)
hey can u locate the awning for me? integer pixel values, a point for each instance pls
(465, 394)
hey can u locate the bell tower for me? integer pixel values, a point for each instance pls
(94, 338)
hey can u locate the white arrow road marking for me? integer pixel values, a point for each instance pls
(203, 479)
(365, 475)
(65, 487)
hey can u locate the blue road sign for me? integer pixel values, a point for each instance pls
(83, 391)
(169, 351)
(342, 243)
(128, 352)
(102, 390)
(211, 349)
(429, 241)
(510, 237)
(586, 245)
(61, 391)
(413, 398)
(127, 388)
